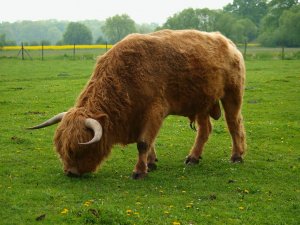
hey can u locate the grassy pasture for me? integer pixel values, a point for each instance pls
(265, 189)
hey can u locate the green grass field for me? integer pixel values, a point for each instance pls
(265, 189)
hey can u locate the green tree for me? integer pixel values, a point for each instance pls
(238, 30)
(243, 30)
(53, 34)
(224, 23)
(272, 28)
(45, 42)
(251, 9)
(186, 19)
(146, 28)
(95, 27)
(199, 19)
(275, 10)
(2, 40)
(117, 27)
(100, 40)
(77, 33)
(288, 33)
(207, 19)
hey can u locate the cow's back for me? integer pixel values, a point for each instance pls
(186, 69)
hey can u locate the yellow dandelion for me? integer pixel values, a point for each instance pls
(136, 213)
(64, 211)
(128, 211)
(241, 208)
(189, 206)
(176, 223)
(88, 203)
(246, 191)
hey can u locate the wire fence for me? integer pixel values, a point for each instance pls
(54, 52)
(85, 52)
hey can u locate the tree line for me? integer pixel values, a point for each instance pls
(270, 23)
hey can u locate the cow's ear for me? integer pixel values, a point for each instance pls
(100, 116)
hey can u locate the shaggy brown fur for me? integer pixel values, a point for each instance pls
(145, 78)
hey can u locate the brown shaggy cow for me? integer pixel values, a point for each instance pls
(140, 81)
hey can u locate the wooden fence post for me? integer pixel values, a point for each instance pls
(282, 52)
(22, 49)
(245, 49)
(42, 51)
(74, 52)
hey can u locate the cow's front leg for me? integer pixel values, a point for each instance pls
(141, 168)
(152, 159)
(145, 142)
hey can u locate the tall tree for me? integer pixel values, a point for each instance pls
(200, 19)
(239, 30)
(2, 40)
(251, 9)
(145, 28)
(207, 19)
(275, 10)
(243, 30)
(288, 33)
(224, 23)
(77, 33)
(186, 19)
(271, 33)
(117, 27)
(5, 42)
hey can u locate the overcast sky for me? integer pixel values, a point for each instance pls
(141, 11)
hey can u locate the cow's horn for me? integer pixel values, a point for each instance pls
(53, 120)
(96, 127)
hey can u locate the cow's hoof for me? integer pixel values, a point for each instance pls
(70, 174)
(236, 159)
(151, 167)
(191, 160)
(137, 176)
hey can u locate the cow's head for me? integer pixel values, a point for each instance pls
(77, 141)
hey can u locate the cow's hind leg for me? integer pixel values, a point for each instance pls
(232, 103)
(203, 132)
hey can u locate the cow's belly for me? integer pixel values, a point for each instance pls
(190, 106)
